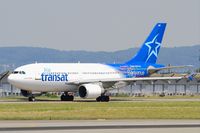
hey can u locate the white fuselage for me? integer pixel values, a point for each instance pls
(52, 77)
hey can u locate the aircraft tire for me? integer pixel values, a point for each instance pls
(103, 99)
(98, 99)
(31, 99)
(66, 98)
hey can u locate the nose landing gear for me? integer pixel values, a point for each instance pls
(31, 99)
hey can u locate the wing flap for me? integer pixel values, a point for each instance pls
(153, 70)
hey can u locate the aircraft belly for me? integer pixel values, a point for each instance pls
(46, 86)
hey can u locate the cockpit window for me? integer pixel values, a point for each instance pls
(15, 72)
(18, 72)
(21, 72)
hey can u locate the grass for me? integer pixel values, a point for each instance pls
(94, 110)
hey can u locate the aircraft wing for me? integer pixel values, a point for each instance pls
(154, 70)
(127, 80)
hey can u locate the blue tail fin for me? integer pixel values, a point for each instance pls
(148, 53)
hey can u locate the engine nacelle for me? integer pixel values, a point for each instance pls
(90, 90)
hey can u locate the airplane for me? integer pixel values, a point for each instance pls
(91, 80)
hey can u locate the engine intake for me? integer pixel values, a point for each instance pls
(90, 90)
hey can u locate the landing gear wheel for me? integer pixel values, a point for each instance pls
(67, 97)
(31, 99)
(98, 99)
(103, 99)
(62, 97)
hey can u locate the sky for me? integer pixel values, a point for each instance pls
(97, 25)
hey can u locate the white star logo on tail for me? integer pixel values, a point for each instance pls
(153, 47)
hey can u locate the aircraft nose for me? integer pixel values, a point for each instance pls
(10, 79)
(13, 80)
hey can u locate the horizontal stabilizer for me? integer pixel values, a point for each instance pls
(154, 70)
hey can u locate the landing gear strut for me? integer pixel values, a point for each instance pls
(67, 96)
(31, 99)
(103, 98)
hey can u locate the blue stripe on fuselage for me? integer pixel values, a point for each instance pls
(134, 70)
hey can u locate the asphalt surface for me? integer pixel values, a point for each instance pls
(25, 100)
(97, 126)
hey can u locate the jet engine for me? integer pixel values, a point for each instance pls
(90, 90)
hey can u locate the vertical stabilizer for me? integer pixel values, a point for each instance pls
(149, 51)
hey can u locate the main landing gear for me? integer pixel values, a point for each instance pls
(31, 99)
(67, 96)
(103, 98)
